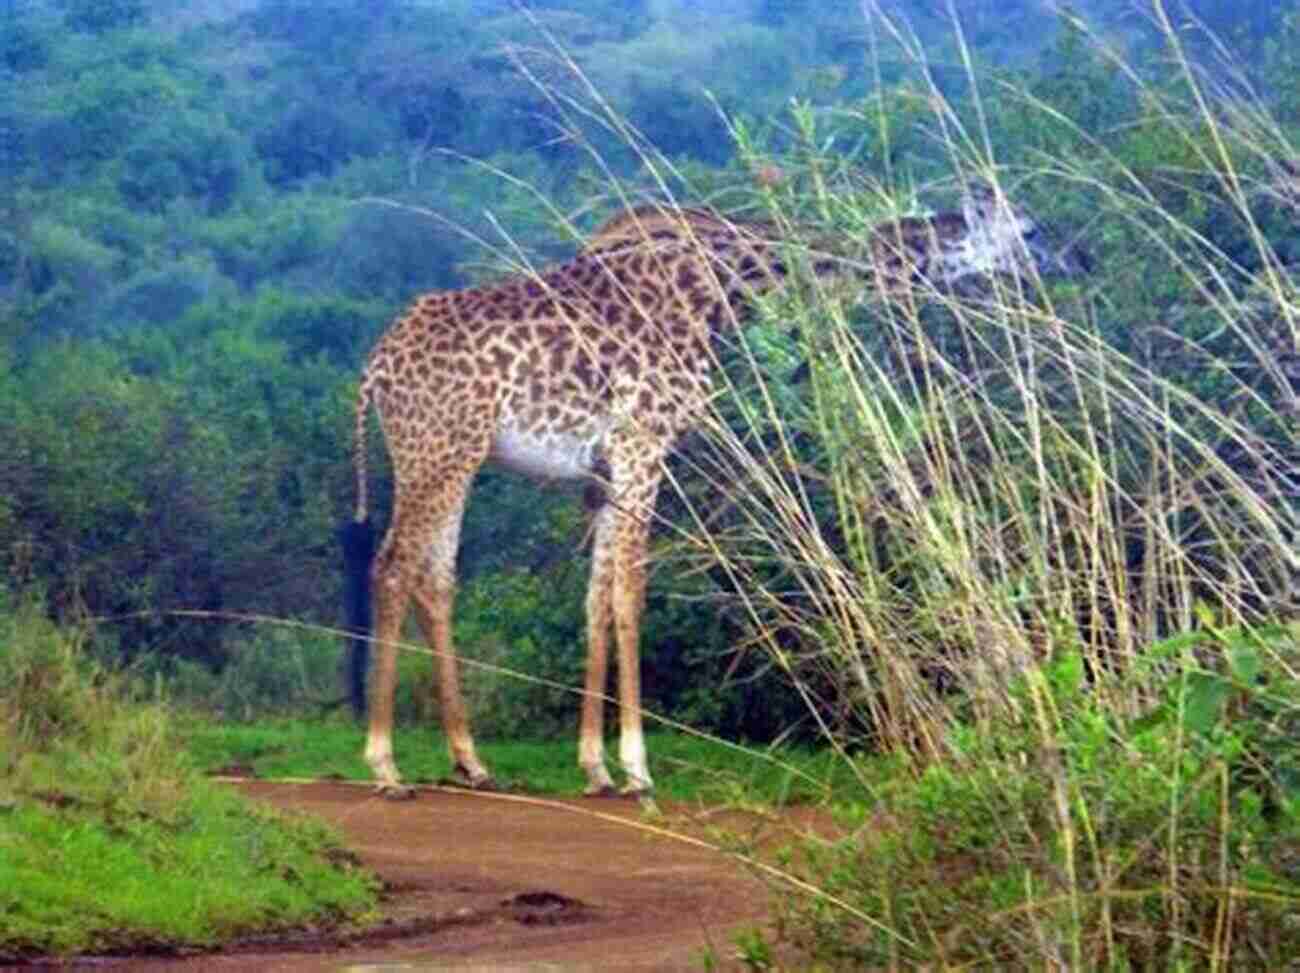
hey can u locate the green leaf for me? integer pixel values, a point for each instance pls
(1244, 660)
(1205, 614)
(1157, 717)
(1174, 646)
(1206, 695)
(1067, 674)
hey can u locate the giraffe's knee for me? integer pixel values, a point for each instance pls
(382, 567)
(394, 571)
(599, 603)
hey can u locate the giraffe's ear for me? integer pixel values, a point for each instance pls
(979, 203)
(769, 174)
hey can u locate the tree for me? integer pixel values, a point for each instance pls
(98, 16)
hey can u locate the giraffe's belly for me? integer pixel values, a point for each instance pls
(552, 455)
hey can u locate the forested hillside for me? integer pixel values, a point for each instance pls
(210, 209)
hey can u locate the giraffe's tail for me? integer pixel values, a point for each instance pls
(358, 539)
(357, 536)
(360, 464)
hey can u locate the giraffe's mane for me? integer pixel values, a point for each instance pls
(648, 222)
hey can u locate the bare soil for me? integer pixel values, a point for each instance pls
(491, 882)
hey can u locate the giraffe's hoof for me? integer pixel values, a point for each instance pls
(599, 783)
(480, 781)
(637, 784)
(395, 792)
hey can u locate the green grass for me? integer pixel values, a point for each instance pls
(685, 768)
(111, 839)
(75, 879)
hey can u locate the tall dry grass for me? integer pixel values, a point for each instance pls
(964, 483)
(1038, 544)
(1036, 541)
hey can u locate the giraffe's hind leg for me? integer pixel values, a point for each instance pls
(433, 607)
(418, 561)
(390, 599)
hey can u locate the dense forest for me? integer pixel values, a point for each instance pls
(211, 208)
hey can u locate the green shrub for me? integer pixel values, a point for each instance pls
(263, 670)
(970, 537)
(108, 837)
(1076, 835)
(97, 16)
(183, 156)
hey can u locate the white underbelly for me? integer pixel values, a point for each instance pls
(556, 456)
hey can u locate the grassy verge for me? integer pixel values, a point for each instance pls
(1169, 839)
(685, 768)
(110, 839)
(1030, 543)
(1042, 540)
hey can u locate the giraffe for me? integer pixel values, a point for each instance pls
(592, 369)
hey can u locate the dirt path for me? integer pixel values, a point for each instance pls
(489, 884)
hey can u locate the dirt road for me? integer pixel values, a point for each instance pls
(477, 882)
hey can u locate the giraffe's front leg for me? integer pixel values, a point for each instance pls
(591, 735)
(379, 755)
(631, 742)
(628, 600)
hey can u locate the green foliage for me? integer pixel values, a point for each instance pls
(286, 242)
(532, 625)
(779, 12)
(264, 670)
(1239, 704)
(25, 44)
(177, 471)
(162, 295)
(312, 139)
(105, 826)
(385, 252)
(753, 950)
(1077, 829)
(63, 263)
(97, 16)
(100, 112)
(182, 156)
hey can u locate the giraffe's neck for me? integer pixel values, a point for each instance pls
(621, 333)
(986, 237)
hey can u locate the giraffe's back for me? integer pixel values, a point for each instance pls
(543, 365)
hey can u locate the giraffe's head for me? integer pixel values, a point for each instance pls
(1000, 238)
(962, 249)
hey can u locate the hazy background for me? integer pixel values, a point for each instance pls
(192, 265)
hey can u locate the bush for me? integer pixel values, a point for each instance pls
(261, 670)
(277, 246)
(97, 16)
(982, 524)
(162, 296)
(182, 471)
(1074, 835)
(106, 826)
(25, 45)
(315, 137)
(183, 156)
